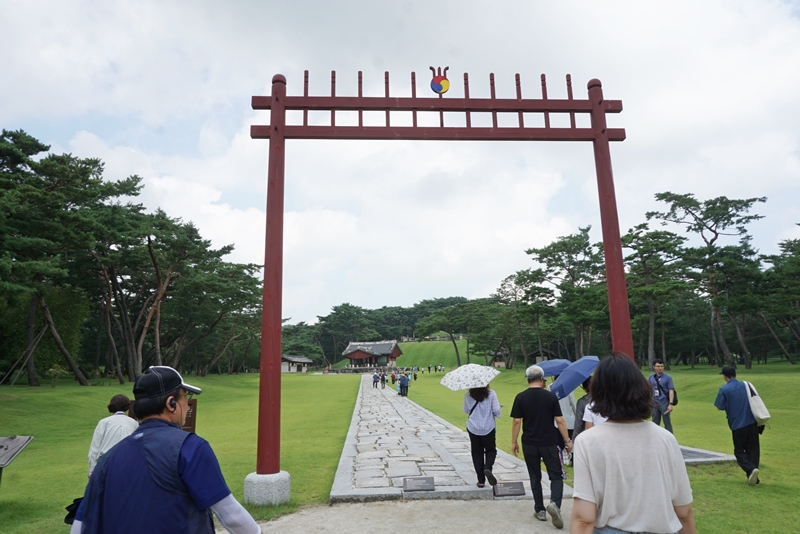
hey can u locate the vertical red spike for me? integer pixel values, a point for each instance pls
(360, 111)
(386, 92)
(494, 111)
(414, 95)
(466, 96)
(569, 96)
(305, 93)
(333, 93)
(519, 97)
(544, 97)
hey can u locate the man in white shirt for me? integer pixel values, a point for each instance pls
(111, 430)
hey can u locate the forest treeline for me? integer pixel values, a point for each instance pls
(92, 285)
(719, 302)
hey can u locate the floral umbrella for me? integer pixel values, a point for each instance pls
(469, 376)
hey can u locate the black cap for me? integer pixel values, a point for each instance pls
(728, 371)
(160, 380)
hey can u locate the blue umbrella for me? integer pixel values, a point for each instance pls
(553, 367)
(574, 375)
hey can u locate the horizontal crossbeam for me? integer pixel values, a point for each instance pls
(367, 103)
(433, 133)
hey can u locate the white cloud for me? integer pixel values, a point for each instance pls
(162, 90)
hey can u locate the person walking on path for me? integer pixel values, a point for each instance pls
(733, 399)
(483, 407)
(383, 380)
(111, 430)
(535, 410)
(663, 394)
(160, 478)
(375, 379)
(616, 488)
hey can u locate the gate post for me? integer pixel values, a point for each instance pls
(621, 335)
(270, 485)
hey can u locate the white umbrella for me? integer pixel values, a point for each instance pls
(469, 376)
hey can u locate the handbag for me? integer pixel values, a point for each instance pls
(757, 406)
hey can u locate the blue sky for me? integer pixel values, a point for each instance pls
(163, 90)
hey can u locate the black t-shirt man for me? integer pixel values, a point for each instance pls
(537, 408)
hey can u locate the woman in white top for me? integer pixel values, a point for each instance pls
(483, 407)
(618, 488)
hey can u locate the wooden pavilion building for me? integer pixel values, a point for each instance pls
(372, 353)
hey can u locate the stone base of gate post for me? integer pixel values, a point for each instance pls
(267, 489)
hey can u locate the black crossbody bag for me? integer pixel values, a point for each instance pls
(666, 393)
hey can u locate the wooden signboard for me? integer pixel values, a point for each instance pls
(418, 484)
(191, 415)
(509, 489)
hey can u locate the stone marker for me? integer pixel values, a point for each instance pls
(508, 489)
(418, 484)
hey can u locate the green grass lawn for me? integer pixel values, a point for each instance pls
(51, 471)
(316, 412)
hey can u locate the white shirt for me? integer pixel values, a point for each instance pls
(481, 422)
(590, 417)
(108, 433)
(634, 473)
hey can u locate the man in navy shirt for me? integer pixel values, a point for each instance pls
(663, 394)
(160, 479)
(733, 398)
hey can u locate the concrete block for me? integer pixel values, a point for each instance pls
(267, 489)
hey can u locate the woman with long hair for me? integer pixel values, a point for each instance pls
(483, 407)
(629, 473)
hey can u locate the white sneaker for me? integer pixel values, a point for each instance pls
(752, 478)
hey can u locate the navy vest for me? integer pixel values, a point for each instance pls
(136, 487)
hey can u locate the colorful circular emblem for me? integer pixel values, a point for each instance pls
(440, 84)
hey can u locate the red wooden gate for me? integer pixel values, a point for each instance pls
(268, 458)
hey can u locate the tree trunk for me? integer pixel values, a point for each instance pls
(33, 380)
(98, 345)
(663, 340)
(522, 344)
(125, 330)
(717, 358)
(214, 361)
(651, 333)
(721, 334)
(112, 344)
(748, 358)
(70, 361)
(589, 341)
(157, 334)
(775, 336)
(539, 336)
(455, 345)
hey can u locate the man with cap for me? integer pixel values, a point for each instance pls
(733, 398)
(160, 479)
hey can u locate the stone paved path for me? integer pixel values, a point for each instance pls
(392, 437)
